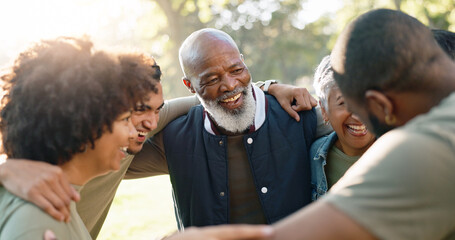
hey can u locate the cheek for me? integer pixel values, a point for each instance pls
(209, 92)
(246, 77)
(338, 117)
(136, 119)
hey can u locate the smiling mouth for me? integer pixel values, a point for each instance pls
(232, 99)
(357, 129)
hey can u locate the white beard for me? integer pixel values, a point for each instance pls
(237, 120)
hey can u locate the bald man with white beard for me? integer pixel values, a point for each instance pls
(238, 157)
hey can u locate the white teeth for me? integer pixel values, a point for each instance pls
(357, 127)
(141, 133)
(231, 99)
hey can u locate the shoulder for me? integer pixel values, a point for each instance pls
(403, 171)
(29, 222)
(193, 115)
(412, 146)
(322, 144)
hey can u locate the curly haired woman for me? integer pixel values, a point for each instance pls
(67, 105)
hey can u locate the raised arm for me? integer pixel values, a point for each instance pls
(173, 109)
(292, 99)
(40, 183)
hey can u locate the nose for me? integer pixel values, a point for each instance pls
(229, 83)
(151, 122)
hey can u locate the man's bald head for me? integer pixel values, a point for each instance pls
(385, 50)
(196, 46)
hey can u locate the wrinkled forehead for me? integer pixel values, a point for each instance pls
(212, 53)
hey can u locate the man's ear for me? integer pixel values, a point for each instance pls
(241, 57)
(379, 105)
(188, 84)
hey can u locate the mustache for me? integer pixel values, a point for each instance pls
(232, 93)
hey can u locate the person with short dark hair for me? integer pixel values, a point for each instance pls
(400, 83)
(54, 110)
(446, 41)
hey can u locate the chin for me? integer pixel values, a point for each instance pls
(134, 150)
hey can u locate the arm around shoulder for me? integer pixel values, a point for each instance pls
(173, 109)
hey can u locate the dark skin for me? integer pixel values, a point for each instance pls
(222, 71)
(219, 73)
(321, 220)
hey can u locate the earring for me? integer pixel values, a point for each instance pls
(326, 122)
(390, 119)
(84, 148)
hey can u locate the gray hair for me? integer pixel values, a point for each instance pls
(324, 81)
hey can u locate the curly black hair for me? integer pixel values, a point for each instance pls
(60, 96)
(141, 73)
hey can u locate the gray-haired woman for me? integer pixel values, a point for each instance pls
(332, 155)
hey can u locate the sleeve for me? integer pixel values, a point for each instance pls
(30, 223)
(173, 109)
(150, 161)
(259, 84)
(401, 188)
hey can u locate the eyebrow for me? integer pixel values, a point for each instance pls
(161, 106)
(143, 107)
(338, 98)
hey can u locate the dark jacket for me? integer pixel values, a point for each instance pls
(278, 154)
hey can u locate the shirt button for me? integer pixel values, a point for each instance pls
(249, 140)
(222, 194)
(264, 190)
(221, 143)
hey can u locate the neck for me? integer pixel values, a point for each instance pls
(352, 152)
(411, 104)
(77, 171)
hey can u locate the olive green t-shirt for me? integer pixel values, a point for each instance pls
(403, 186)
(337, 164)
(97, 195)
(22, 220)
(244, 204)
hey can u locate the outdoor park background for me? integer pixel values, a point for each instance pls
(280, 39)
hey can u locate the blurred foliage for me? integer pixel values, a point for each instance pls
(275, 43)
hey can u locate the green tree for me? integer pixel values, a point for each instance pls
(275, 42)
(265, 31)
